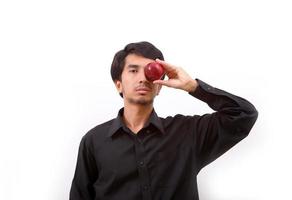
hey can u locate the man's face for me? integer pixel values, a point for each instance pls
(135, 87)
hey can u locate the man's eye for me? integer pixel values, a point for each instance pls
(133, 70)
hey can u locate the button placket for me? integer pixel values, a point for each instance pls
(142, 169)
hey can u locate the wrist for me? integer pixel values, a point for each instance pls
(191, 86)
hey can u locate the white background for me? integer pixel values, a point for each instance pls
(55, 85)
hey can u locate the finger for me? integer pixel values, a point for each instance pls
(162, 82)
(168, 67)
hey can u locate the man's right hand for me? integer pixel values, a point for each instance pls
(177, 78)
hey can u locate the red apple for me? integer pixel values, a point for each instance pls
(154, 71)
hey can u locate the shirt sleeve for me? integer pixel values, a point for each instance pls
(217, 132)
(85, 173)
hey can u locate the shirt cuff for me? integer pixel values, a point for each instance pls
(202, 90)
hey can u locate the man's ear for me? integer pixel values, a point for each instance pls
(118, 85)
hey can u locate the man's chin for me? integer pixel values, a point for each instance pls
(141, 101)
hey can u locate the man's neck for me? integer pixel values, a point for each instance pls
(136, 116)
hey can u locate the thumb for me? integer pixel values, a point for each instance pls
(162, 82)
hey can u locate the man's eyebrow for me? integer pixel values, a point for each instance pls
(133, 66)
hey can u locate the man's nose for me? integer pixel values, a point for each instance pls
(142, 77)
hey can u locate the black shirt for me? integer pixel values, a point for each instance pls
(162, 160)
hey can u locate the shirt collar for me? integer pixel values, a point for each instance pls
(118, 123)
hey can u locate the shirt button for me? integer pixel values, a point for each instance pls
(148, 131)
(141, 163)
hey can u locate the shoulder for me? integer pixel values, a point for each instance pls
(99, 132)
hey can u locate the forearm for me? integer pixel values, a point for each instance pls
(219, 99)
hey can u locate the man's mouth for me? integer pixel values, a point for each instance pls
(143, 89)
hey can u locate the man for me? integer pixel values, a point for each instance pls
(139, 155)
